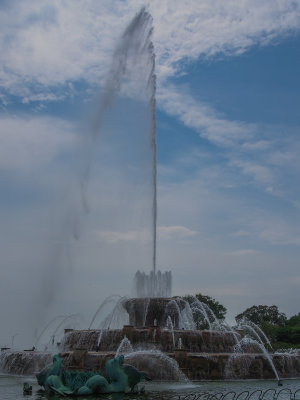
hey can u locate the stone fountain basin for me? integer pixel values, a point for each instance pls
(194, 366)
(153, 311)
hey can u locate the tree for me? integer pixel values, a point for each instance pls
(284, 333)
(294, 320)
(259, 314)
(207, 309)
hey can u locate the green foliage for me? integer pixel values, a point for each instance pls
(283, 333)
(294, 320)
(209, 303)
(270, 330)
(285, 346)
(288, 334)
(259, 314)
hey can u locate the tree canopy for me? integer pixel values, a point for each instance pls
(218, 310)
(294, 320)
(283, 332)
(259, 314)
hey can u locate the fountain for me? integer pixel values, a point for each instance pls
(155, 332)
(161, 339)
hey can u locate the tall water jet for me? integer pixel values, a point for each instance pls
(120, 140)
(154, 172)
(132, 77)
(132, 74)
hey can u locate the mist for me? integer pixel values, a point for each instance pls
(97, 222)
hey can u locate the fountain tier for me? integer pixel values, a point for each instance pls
(153, 311)
(158, 343)
(204, 355)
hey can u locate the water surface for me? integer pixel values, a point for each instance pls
(11, 388)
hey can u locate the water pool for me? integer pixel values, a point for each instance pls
(11, 388)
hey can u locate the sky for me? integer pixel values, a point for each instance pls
(227, 120)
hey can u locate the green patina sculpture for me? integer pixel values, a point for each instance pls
(27, 389)
(121, 378)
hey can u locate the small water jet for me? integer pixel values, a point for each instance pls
(179, 344)
(170, 328)
(156, 284)
(124, 347)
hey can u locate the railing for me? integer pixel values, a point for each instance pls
(269, 394)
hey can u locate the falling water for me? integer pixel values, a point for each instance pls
(198, 308)
(46, 327)
(99, 338)
(173, 309)
(248, 341)
(179, 343)
(160, 363)
(256, 331)
(146, 306)
(63, 319)
(23, 362)
(170, 327)
(156, 284)
(187, 317)
(116, 318)
(62, 324)
(113, 299)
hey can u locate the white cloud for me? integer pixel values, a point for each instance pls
(53, 42)
(113, 237)
(42, 97)
(203, 118)
(177, 231)
(258, 145)
(279, 235)
(261, 152)
(270, 227)
(233, 136)
(261, 173)
(56, 43)
(188, 30)
(242, 252)
(242, 233)
(143, 236)
(26, 144)
(50, 43)
(283, 157)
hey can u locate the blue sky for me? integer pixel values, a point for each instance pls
(228, 95)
